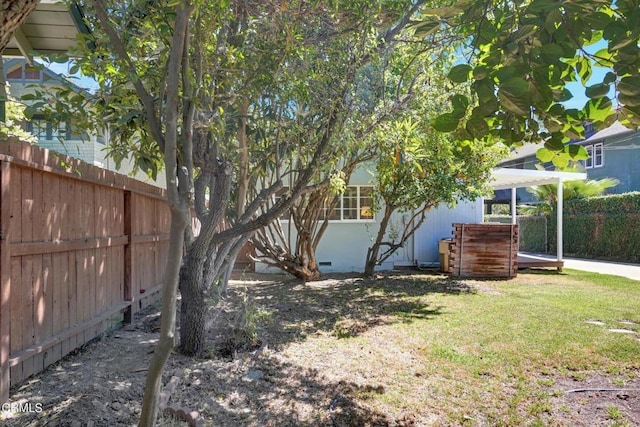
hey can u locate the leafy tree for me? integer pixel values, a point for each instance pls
(520, 56)
(12, 16)
(233, 98)
(417, 170)
(399, 75)
(12, 126)
(546, 195)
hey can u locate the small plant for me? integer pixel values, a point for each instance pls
(242, 336)
(614, 413)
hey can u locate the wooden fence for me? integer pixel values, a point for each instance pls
(484, 250)
(81, 250)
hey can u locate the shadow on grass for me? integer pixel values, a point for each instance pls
(346, 306)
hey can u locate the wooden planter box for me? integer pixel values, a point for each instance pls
(484, 250)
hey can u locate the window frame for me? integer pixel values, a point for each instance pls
(358, 208)
(48, 132)
(596, 156)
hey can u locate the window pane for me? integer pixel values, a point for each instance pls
(350, 203)
(31, 73)
(39, 128)
(366, 212)
(334, 214)
(59, 131)
(598, 155)
(589, 162)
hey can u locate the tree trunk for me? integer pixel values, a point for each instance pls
(166, 341)
(374, 250)
(195, 304)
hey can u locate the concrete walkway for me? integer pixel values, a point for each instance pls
(632, 271)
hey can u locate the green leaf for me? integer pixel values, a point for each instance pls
(609, 78)
(631, 101)
(516, 86)
(480, 72)
(551, 51)
(554, 144)
(426, 27)
(561, 160)
(597, 91)
(545, 155)
(576, 152)
(583, 68)
(629, 86)
(598, 110)
(514, 103)
(604, 58)
(459, 73)
(459, 102)
(478, 128)
(446, 122)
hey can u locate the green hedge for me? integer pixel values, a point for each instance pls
(532, 230)
(606, 227)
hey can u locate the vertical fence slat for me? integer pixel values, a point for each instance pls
(5, 280)
(129, 218)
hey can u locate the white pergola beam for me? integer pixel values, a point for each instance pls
(505, 178)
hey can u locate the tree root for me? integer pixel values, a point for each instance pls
(184, 414)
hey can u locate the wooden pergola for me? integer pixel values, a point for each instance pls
(53, 27)
(506, 178)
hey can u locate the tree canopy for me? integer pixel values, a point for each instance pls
(519, 57)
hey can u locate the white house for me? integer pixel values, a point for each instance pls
(343, 247)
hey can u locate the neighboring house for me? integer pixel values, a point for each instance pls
(62, 138)
(352, 228)
(614, 152)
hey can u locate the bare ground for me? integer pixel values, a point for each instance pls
(268, 384)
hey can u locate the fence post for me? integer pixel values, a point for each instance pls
(129, 217)
(5, 280)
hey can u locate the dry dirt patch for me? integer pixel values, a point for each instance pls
(269, 384)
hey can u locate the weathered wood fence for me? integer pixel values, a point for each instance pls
(81, 249)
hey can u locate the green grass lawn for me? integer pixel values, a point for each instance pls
(497, 353)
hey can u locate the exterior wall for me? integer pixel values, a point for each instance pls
(439, 225)
(343, 247)
(621, 161)
(93, 153)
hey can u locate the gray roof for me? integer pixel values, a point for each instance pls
(614, 130)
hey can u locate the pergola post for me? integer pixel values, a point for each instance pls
(513, 205)
(559, 208)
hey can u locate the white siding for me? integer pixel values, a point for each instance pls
(437, 226)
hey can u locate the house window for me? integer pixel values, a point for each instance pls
(47, 131)
(596, 156)
(355, 204)
(25, 73)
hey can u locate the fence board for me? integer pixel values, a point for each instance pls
(82, 244)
